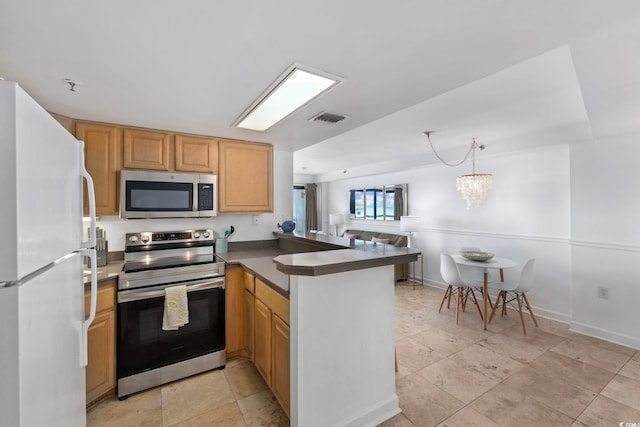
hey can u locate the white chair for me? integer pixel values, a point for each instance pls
(457, 285)
(475, 274)
(516, 290)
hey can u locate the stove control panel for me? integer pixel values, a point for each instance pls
(152, 238)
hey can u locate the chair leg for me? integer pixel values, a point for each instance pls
(447, 293)
(475, 301)
(450, 294)
(524, 329)
(530, 310)
(458, 304)
(504, 303)
(493, 309)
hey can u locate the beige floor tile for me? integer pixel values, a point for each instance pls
(588, 352)
(413, 357)
(262, 409)
(140, 410)
(228, 415)
(465, 385)
(624, 390)
(605, 345)
(423, 403)
(487, 362)
(572, 371)
(554, 327)
(536, 337)
(523, 352)
(551, 391)
(632, 368)
(512, 407)
(244, 379)
(442, 342)
(194, 396)
(468, 417)
(605, 412)
(399, 420)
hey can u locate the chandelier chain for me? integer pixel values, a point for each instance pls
(472, 147)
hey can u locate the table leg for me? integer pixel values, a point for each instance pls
(485, 297)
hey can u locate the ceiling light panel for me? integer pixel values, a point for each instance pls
(297, 87)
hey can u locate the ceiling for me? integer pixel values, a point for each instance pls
(511, 74)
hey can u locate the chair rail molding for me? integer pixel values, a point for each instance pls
(605, 245)
(551, 239)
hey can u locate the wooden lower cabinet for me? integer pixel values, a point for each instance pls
(248, 322)
(262, 340)
(234, 297)
(100, 371)
(280, 362)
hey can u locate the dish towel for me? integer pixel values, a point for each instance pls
(176, 308)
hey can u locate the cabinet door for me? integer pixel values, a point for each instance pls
(280, 362)
(262, 340)
(245, 177)
(146, 149)
(249, 307)
(102, 148)
(196, 154)
(100, 370)
(234, 296)
(66, 122)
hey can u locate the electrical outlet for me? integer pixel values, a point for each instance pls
(256, 220)
(603, 292)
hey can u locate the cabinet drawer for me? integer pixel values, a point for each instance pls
(106, 299)
(276, 302)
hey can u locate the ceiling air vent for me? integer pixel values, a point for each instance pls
(328, 117)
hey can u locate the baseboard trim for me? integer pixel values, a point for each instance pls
(375, 414)
(605, 334)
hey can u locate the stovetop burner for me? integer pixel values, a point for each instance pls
(170, 262)
(156, 258)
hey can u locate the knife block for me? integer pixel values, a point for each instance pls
(101, 256)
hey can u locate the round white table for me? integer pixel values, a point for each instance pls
(496, 263)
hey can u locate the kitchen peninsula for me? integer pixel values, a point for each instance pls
(340, 324)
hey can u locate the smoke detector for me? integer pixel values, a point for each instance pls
(330, 118)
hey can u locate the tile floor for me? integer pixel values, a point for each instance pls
(449, 375)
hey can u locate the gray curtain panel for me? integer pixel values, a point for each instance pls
(312, 207)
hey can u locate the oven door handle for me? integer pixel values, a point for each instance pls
(135, 295)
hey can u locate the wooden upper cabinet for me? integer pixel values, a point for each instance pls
(146, 149)
(102, 150)
(196, 154)
(245, 177)
(67, 122)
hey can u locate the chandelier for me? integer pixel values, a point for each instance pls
(473, 187)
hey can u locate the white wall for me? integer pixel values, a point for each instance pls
(244, 228)
(573, 207)
(606, 238)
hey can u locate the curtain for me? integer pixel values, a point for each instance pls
(397, 204)
(311, 216)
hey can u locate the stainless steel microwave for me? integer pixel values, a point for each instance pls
(145, 194)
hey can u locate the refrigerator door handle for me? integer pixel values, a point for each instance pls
(91, 253)
(92, 201)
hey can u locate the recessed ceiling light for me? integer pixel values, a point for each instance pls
(295, 88)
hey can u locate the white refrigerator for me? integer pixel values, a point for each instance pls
(43, 330)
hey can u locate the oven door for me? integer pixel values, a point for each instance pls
(142, 345)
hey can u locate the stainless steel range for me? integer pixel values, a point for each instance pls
(147, 355)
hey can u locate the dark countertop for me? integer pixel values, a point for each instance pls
(362, 255)
(106, 273)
